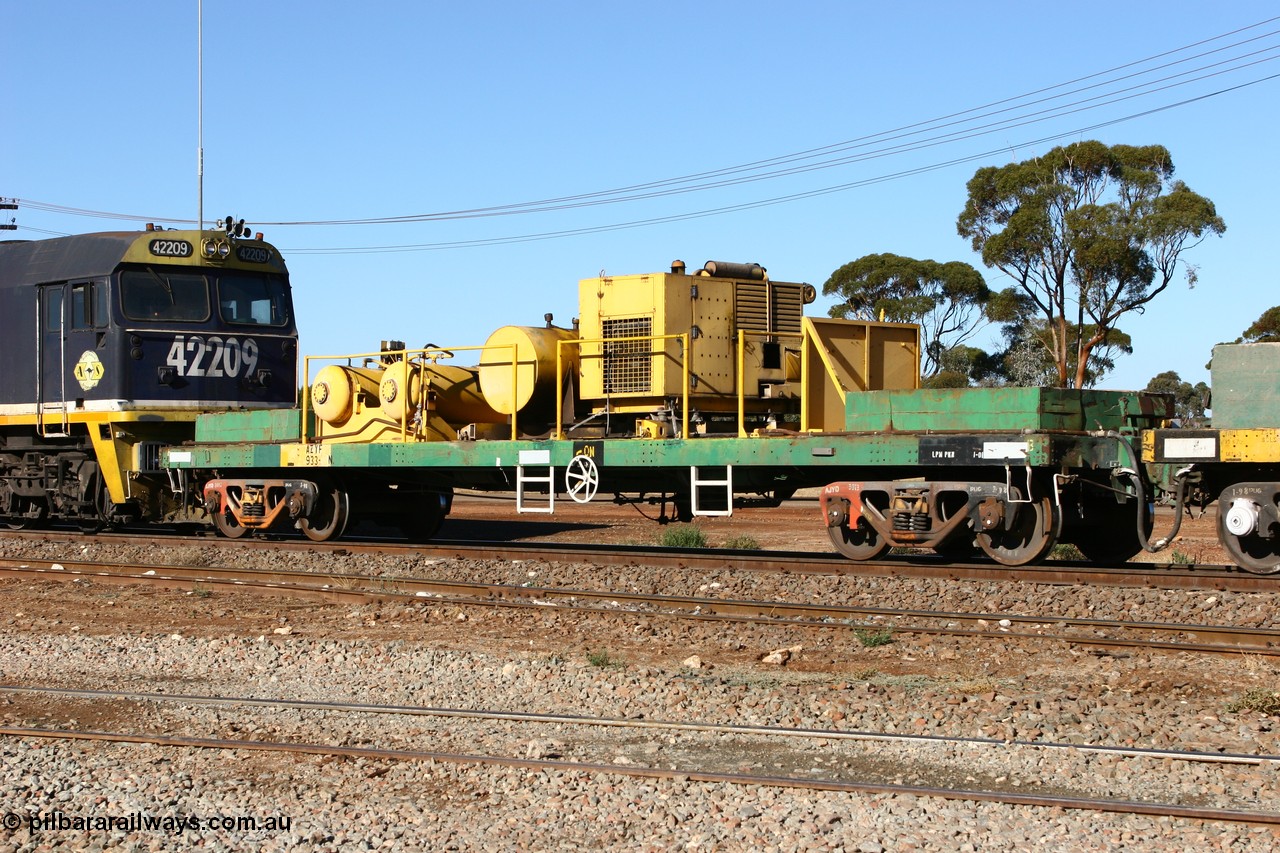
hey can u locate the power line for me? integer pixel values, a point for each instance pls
(751, 205)
(887, 143)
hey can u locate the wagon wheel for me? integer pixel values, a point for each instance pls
(423, 518)
(582, 479)
(1251, 552)
(1110, 536)
(224, 520)
(1033, 533)
(328, 519)
(861, 544)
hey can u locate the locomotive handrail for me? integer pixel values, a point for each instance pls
(683, 337)
(432, 353)
(743, 334)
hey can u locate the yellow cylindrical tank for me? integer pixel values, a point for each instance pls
(334, 391)
(533, 388)
(455, 391)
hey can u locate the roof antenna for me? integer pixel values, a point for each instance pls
(200, 111)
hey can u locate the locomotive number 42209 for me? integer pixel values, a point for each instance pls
(193, 355)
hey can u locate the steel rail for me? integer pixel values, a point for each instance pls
(622, 722)
(1147, 575)
(841, 786)
(344, 588)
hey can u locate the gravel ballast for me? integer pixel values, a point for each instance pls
(95, 637)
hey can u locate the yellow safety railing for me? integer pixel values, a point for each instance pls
(651, 339)
(424, 356)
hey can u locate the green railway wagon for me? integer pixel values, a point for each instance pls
(1011, 472)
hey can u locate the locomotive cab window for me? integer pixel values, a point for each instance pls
(152, 294)
(52, 308)
(253, 300)
(89, 305)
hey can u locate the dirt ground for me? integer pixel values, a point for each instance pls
(796, 525)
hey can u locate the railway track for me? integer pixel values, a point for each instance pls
(844, 751)
(360, 588)
(1143, 575)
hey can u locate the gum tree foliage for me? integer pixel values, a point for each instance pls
(961, 366)
(1088, 233)
(1028, 358)
(1189, 400)
(1265, 329)
(946, 299)
(1028, 354)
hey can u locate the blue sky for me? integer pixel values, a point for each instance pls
(322, 111)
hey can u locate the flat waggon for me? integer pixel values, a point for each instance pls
(702, 390)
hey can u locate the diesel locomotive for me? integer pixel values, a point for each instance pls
(113, 344)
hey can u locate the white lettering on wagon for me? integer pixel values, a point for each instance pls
(1004, 450)
(1205, 447)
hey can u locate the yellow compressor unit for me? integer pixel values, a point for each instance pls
(747, 342)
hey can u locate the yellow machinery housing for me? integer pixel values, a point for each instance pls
(722, 350)
(751, 351)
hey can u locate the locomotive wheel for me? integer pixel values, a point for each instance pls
(861, 544)
(1033, 534)
(329, 518)
(226, 524)
(582, 479)
(1251, 552)
(29, 516)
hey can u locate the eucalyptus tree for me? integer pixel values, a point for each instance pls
(1088, 233)
(1265, 329)
(946, 299)
(1189, 401)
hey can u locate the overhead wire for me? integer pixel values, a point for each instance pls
(822, 157)
(881, 136)
(750, 205)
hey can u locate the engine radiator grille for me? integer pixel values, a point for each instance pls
(628, 365)
(763, 307)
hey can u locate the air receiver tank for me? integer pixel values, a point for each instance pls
(454, 395)
(531, 391)
(338, 391)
